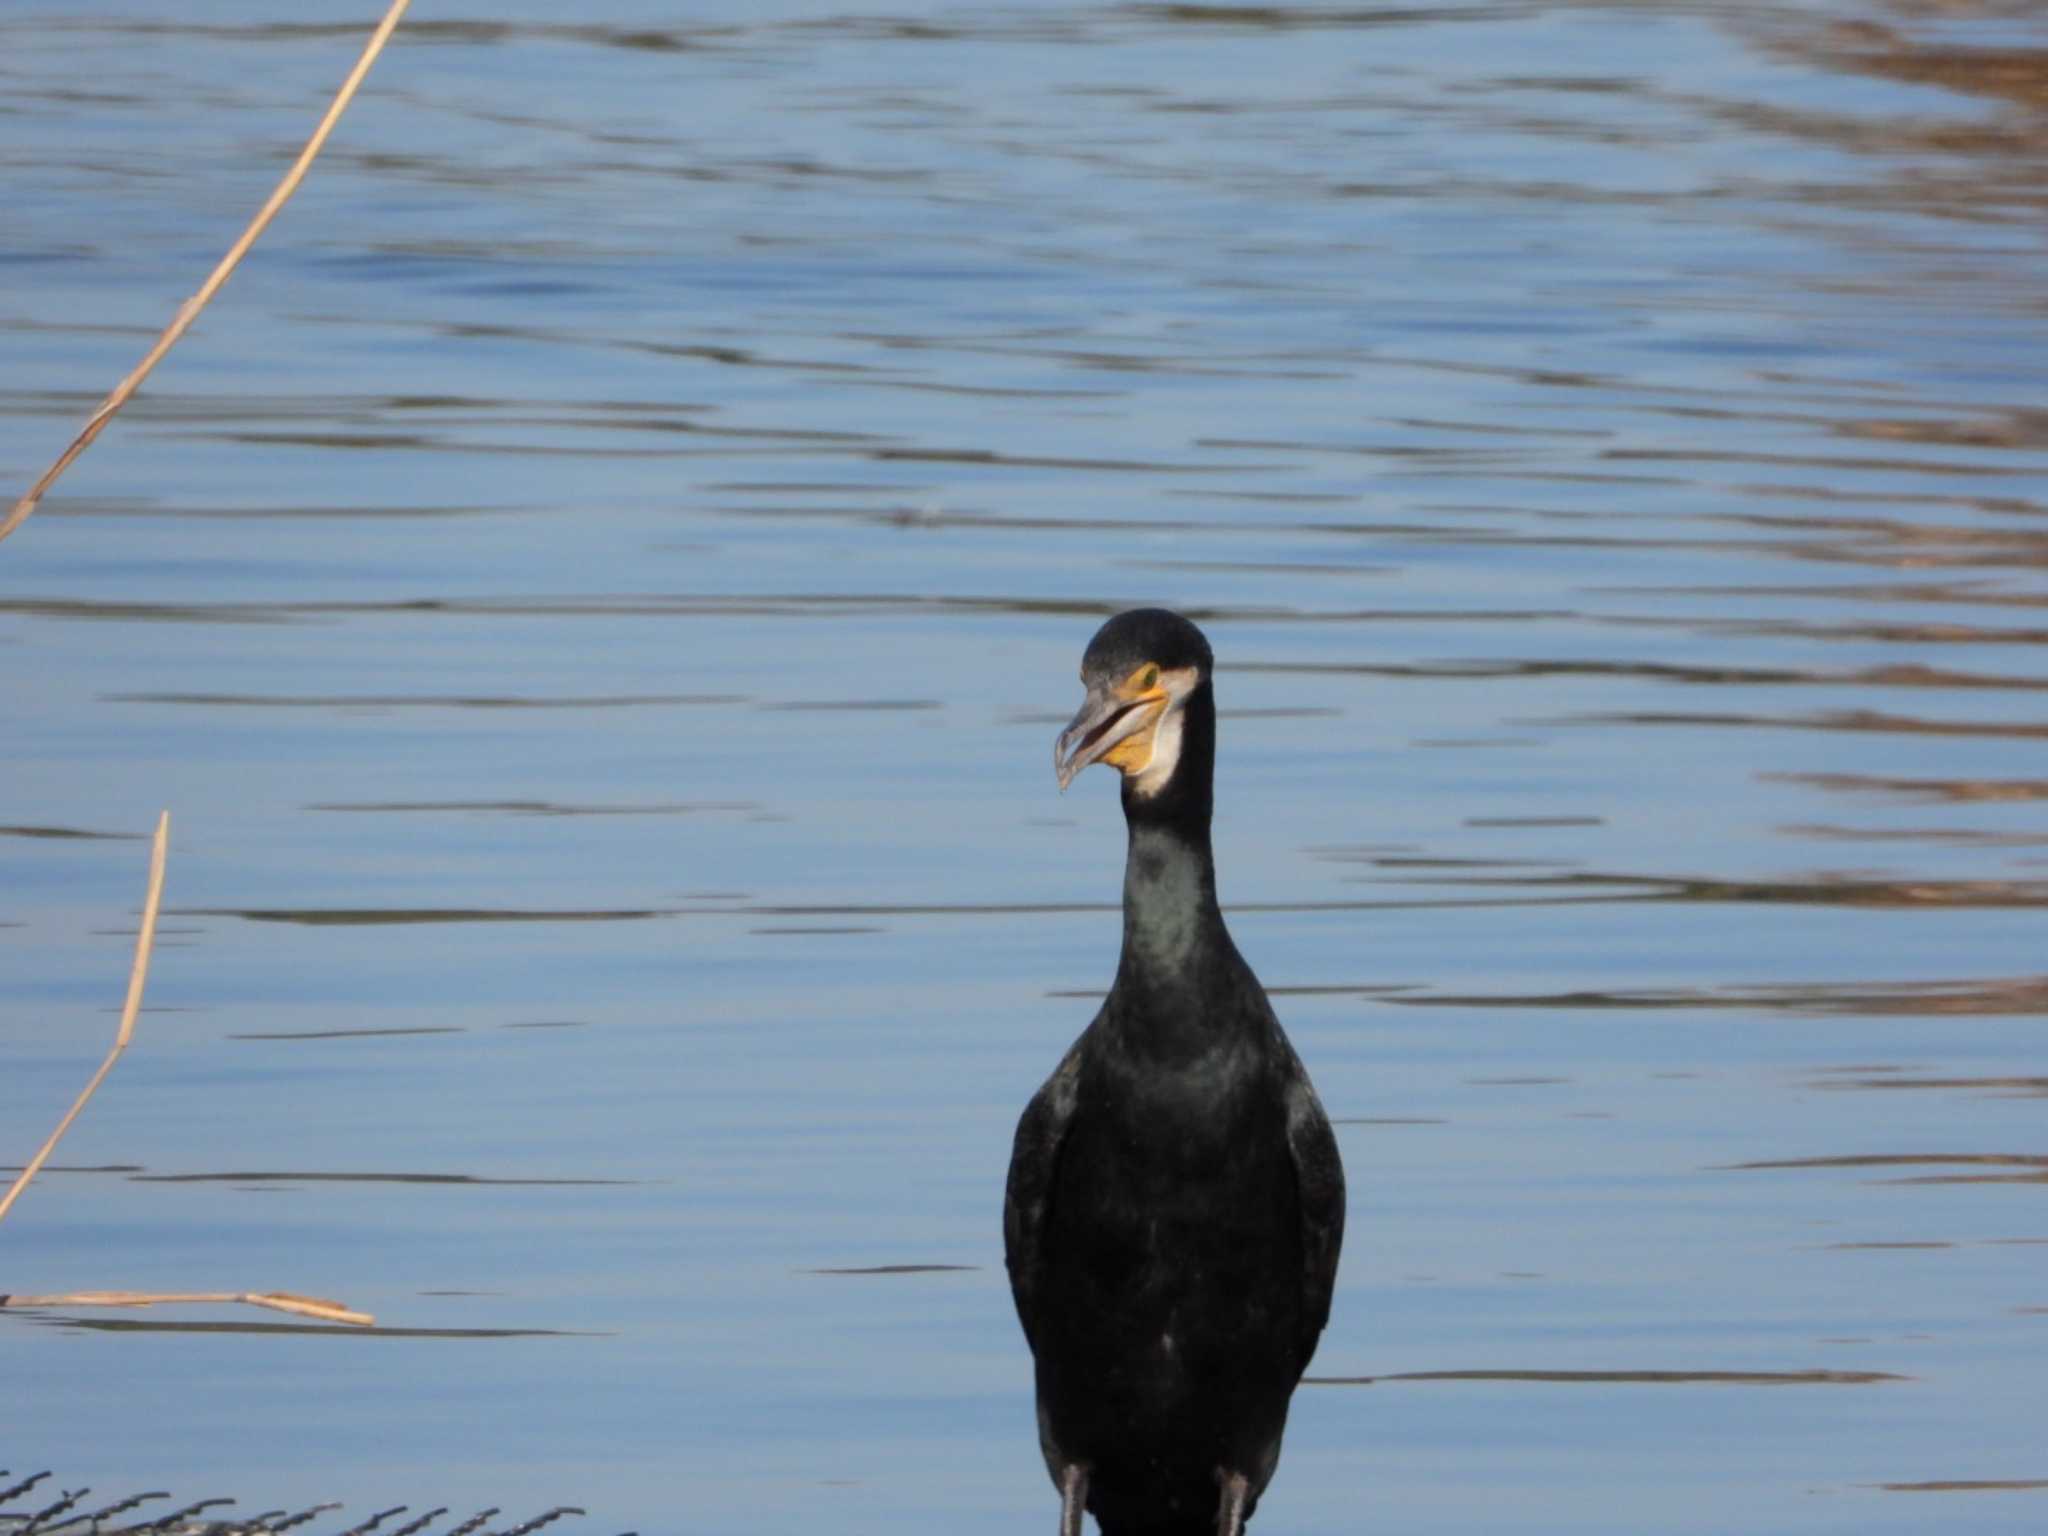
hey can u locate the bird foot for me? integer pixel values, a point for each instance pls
(1073, 1497)
(1230, 1508)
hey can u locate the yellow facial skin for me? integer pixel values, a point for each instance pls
(1134, 753)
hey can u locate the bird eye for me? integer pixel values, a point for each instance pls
(1148, 677)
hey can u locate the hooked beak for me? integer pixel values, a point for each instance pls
(1106, 718)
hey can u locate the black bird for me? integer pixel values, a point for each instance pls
(1175, 1202)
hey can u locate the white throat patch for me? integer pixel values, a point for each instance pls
(1152, 778)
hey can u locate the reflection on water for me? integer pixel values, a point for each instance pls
(598, 588)
(210, 1517)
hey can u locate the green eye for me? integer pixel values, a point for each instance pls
(1148, 677)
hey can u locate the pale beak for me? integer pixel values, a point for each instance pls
(1106, 718)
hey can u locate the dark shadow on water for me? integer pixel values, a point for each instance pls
(1821, 889)
(1340, 989)
(1535, 821)
(2019, 996)
(1933, 791)
(363, 1178)
(897, 1269)
(816, 930)
(70, 833)
(347, 917)
(1849, 720)
(76, 1168)
(1894, 1160)
(1970, 837)
(1884, 1247)
(347, 1034)
(1482, 669)
(1961, 1485)
(536, 807)
(1582, 999)
(1515, 1082)
(420, 701)
(821, 605)
(1627, 1378)
(2000, 1087)
(1278, 18)
(884, 705)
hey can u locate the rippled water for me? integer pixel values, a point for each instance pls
(597, 590)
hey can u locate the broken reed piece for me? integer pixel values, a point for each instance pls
(280, 1301)
(138, 974)
(189, 310)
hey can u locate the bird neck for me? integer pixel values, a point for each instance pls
(1172, 924)
(1186, 801)
(1174, 938)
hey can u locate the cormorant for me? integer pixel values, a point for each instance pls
(1175, 1201)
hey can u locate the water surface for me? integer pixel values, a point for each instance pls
(596, 593)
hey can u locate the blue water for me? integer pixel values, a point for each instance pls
(596, 593)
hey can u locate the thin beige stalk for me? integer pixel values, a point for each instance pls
(280, 1301)
(189, 310)
(138, 974)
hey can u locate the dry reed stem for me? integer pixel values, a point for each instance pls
(280, 1301)
(189, 310)
(138, 973)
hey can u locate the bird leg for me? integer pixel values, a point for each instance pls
(1230, 1508)
(1073, 1497)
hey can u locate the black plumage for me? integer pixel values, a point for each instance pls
(1175, 1202)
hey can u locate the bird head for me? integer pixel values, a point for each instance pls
(1140, 670)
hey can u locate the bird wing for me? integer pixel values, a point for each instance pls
(1319, 1177)
(1034, 1160)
